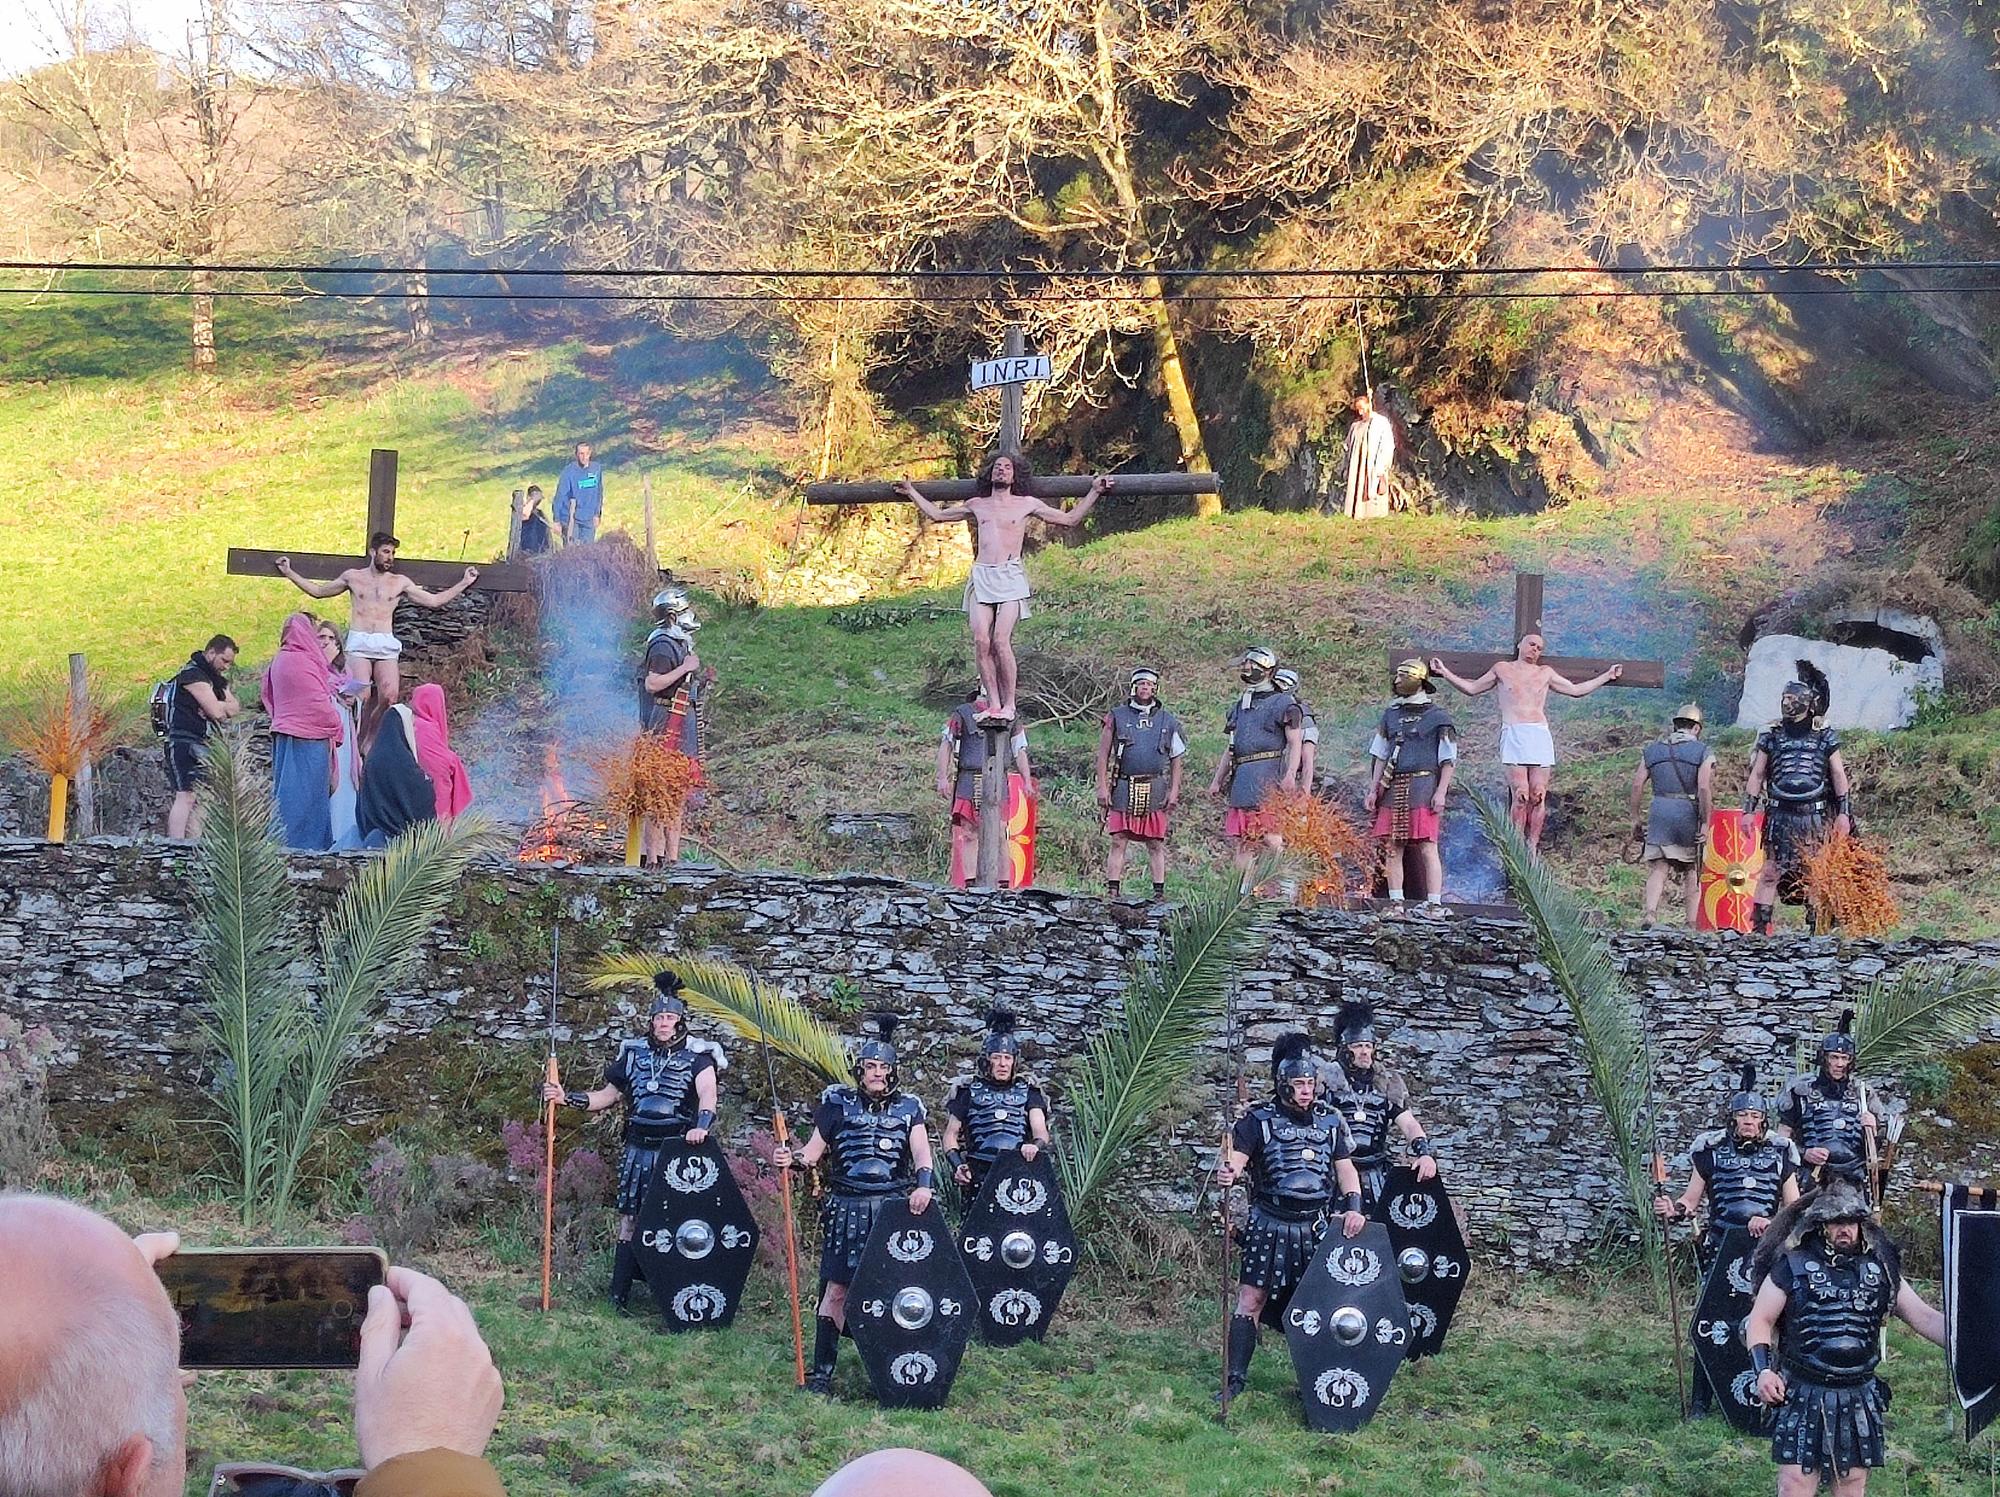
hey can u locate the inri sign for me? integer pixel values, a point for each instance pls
(1025, 370)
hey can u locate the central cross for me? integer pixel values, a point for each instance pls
(1528, 620)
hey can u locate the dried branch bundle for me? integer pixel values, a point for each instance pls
(1331, 851)
(647, 779)
(43, 729)
(1847, 886)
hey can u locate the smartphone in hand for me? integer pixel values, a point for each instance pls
(271, 1307)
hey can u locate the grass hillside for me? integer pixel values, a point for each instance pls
(130, 479)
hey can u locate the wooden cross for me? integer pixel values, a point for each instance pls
(1528, 620)
(494, 577)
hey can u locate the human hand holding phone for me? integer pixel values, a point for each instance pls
(426, 1379)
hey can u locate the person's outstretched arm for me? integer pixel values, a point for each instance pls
(1564, 687)
(1051, 514)
(1476, 686)
(937, 514)
(426, 599)
(309, 587)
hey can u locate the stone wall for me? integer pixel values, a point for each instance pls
(96, 942)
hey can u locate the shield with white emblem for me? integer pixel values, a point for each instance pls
(1018, 1248)
(695, 1237)
(1348, 1328)
(1431, 1258)
(1717, 1332)
(910, 1307)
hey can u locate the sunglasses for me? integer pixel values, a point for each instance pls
(251, 1479)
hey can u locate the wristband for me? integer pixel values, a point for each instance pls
(577, 1099)
(954, 1159)
(925, 1178)
(1351, 1202)
(1760, 1358)
(1842, 807)
(1420, 1146)
(705, 1119)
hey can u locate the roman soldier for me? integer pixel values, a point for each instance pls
(961, 759)
(1829, 1114)
(1262, 758)
(1296, 1151)
(872, 1135)
(998, 1109)
(1370, 1098)
(1680, 768)
(1747, 1176)
(1798, 780)
(1828, 1278)
(1286, 679)
(1411, 761)
(1139, 755)
(671, 703)
(667, 1082)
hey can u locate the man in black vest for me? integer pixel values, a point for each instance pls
(1828, 1278)
(1829, 1115)
(1261, 760)
(667, 1083)
(1296, 1152)
(1796, 768)
(1681, 770)
(201, 695)
(873, 1138)
(1139, 756)
(1411, 761)
(997, 1110)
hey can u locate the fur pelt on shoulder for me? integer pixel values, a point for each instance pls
(1794, 1224)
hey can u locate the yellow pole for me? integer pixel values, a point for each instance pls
(632, 825)
(58, 806)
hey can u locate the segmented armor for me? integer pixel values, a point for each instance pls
(1798, 779)
(1745, 1178)
(1373, 1100)
(1674, 770)
(1292, 1190)
(994, 1119)
(969, 747)
(1829, 1344)
(658, 1083)
(868, 1165)
(1142, 743)
(1826, 1114)
(1257, 745)
(1413, 731)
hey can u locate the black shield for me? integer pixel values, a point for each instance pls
(1348, 1328)
(1018, 1249)
(1720, 1352)
(1971, 1243)
(910, 1307)
(694, 1236)
(1430, 1253)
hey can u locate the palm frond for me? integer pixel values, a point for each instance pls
(1607, 1016)
(743, 1001)
(1928, 1009)
(367, 944)
(1146, 1053)
(247, 917)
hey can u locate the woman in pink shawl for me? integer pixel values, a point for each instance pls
(446, 769)
(305, 727)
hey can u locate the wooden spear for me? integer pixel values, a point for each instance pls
(552, 1074)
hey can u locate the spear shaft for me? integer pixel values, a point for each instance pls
(1659, 1173)
(784, 1138)
(1222, 1197)
(552, 1074)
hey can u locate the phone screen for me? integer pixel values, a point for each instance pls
(271, 1307)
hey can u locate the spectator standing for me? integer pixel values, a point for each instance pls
(305, 728)
(448, 776)
(396, 794)
(347, 694)
(1369, 454)
(580, 497)
(534, 524)
(201, 696)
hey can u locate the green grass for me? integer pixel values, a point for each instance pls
(1547, 1388)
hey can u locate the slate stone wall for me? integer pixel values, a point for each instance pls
(96, 942)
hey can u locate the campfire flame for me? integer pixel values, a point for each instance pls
(567, 830)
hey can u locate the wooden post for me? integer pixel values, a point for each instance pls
(646, 497)
(1527, 607)
(993, 790)
(1010, 399)
(79, 717)
(514, 524)
(381, 494)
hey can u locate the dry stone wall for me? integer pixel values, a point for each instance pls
(96, 941)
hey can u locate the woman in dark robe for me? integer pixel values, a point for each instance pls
(396, 794)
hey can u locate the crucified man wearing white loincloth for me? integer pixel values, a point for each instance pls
(372, 646)
(996, 597)
(1526, 747)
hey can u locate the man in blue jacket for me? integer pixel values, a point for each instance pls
(580, 497)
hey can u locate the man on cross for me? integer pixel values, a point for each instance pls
(1526, 747)
(996, 596)
(372, 645)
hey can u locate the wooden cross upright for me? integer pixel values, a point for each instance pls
(494, 577)
(1528, 620)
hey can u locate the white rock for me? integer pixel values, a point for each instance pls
(1871, 688)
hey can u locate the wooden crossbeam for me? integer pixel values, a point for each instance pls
(1052, 486)
(1528, 595)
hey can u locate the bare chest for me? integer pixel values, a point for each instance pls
(1524, 690)
(1001, 524)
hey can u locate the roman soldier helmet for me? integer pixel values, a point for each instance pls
(1000, 1039)
(1410, 677)
(1841, 1040)
(1689, 713)
(1356, 1026)
(1259, 662)
(877, 1046)
(1747, 1098)
(667, 1000)
(1290, 1061)
(1807, 696)
(1142, 673)
(669, 603)
(1285, 678)
(1839, 1200)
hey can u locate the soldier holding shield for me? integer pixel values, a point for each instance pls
(1370, 1098)
(998, 1110)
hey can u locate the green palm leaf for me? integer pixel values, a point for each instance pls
(744, 1002)
(1929, 1009)
(1607, 1017)
(1145, 1054)
(367, 944)
(247, 919)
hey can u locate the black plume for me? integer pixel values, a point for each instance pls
(885, 1024)
(1846, 1025)
(1748, 1079)
(1290, 1047)
(1001, 1020)
(1356, 1013)
(668, 981)
(1814, 680)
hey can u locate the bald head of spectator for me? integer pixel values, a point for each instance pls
(902, 1473)
(90, 1392)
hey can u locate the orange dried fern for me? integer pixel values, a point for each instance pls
(1332, 853)
(44, 728)
(1846, 882)
(646, 780)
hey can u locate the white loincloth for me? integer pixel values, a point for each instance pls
(373, 646)
(996, 583)
(1526, 743)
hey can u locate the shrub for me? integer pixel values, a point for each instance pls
(25, 1138)
(412, 1200)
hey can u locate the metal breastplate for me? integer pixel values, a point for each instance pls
(1261, 728)
(996, 1119)
(1367, 1114)
(1833, 1317)
(1797, 770)
(1673, 772)
(659, 1092)
(971, 740)
(871, 1145)
(1831, 1123)
(1412, 738)
(1143, 739)
(1295, 1163)
(1744, 1182)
